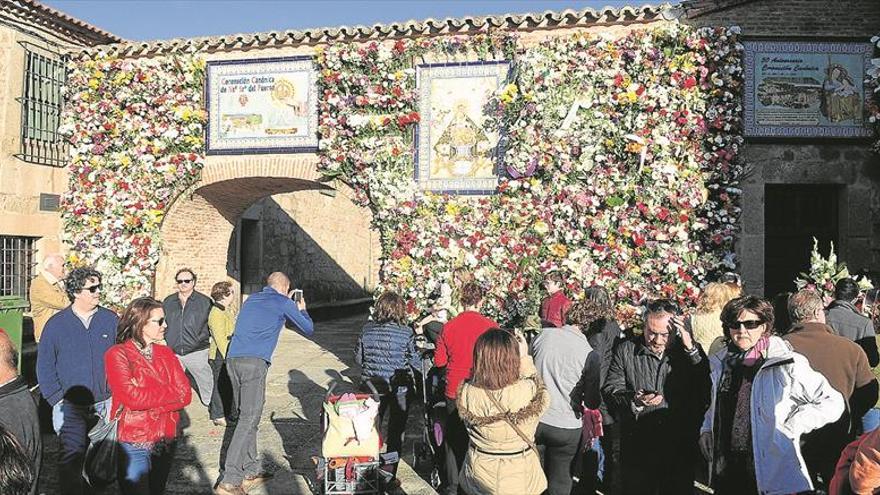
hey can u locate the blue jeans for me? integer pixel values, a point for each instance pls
(600, 454)
(72, 423)
(871, 420)
(144, 470)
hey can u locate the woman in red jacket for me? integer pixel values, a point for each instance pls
(149, 387)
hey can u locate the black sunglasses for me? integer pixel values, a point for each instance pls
(185, 281)
(93, 289)
(160, 321)
(747, 324)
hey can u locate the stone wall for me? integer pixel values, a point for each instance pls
(323, 242)
(848, 164)
(20, 182)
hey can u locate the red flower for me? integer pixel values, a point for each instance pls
(690, 82)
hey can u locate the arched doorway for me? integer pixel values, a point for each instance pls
(249, 216)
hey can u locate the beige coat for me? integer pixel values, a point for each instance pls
(520, 474)
(46, 300)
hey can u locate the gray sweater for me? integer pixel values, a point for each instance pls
(570, 371)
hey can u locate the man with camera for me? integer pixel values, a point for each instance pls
(658, 388)
(259, 324)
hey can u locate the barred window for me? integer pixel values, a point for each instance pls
(16, 265)
(41, 102)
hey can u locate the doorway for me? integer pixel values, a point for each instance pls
(793, 215)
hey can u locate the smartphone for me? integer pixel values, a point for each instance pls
(297, 295)
(650, 392)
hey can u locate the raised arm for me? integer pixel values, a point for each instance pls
(299, 317)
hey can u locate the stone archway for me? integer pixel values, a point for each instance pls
(197, 229)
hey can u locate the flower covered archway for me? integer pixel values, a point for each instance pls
(621, 160)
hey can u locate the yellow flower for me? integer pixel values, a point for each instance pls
(509, 93)
(398, 75)
(494, 218)
(559, 250)
(404, 263)
(93, 83)
(97, 74)
(452, 209)
(125, 160)
(541, 227)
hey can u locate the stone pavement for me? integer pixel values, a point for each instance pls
(290, 431)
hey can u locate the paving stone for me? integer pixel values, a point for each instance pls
(290, 431)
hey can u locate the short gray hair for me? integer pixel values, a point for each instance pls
(803, 305)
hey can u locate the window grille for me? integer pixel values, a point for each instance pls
(41, 103)
(16, 265)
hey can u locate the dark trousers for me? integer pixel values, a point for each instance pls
(72, 423)
(221, 399)
(455, 441)
(248, 377)
(560, 446)
(396, 404)
(658, 464)
(822, 448)
(144, 470)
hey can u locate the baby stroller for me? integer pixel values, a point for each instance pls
(350, 460)
(428, 451)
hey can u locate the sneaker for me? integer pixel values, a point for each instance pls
(255, 480)
(229, 489)
(219, 422)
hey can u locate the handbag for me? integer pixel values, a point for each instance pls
(102, 455)
(506, 414)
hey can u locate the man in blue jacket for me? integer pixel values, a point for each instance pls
(250, 352)
(70, 370)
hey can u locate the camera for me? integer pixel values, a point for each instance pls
(297, 295)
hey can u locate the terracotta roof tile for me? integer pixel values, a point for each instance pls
(412, 28)
(77, 30)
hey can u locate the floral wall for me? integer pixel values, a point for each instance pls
(638, 193)
(136, 129)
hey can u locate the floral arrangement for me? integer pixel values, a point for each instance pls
(621, 156)
(826, 272)
(872, 82)
(136, 132)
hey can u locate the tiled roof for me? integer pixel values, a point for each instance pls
(59, 22)
(428, 27)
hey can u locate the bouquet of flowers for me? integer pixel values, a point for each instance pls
(825, 273)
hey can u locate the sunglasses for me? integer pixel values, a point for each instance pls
(160, 321)
(185, 281)
(747, 324)
(93, 289)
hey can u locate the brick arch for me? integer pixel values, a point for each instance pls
(197, 228)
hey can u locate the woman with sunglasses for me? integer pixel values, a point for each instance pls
(149, 387)
(764, 397)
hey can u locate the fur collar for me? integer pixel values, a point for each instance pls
(534, 408)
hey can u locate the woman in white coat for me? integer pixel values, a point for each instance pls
(764, 397)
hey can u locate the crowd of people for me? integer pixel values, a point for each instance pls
(745, 395)
(138, 371)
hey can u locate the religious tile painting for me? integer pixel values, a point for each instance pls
(262, 106)
(455, 153)
(805, 89)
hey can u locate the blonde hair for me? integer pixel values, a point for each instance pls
(715, 295)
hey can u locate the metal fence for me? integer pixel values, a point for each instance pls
(41, 103)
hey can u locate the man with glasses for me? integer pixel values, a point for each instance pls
(186, 313)
(658, 386)
(70, 371)
(845, 366)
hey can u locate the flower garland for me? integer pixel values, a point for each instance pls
(622, 157)
(136, 130)
(872, 87)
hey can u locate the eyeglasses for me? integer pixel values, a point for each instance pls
(93, 289)
(185, 281)
(160, 321)
(747, 324)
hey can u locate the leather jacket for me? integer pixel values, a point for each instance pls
(150, 392)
